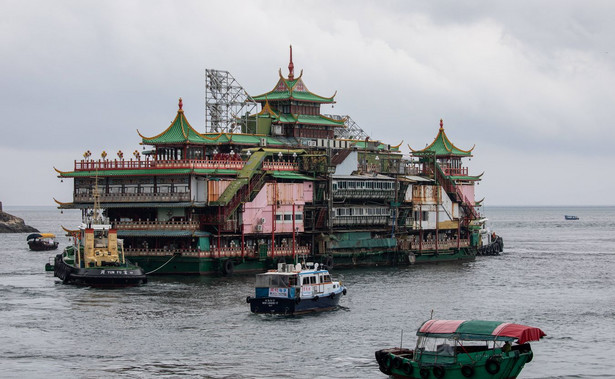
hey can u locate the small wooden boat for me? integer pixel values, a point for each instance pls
(462, 349)
(569, 217)
(42, 241)
(294, 289)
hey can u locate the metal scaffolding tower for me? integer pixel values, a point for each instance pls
(227, 104)
(351, 131)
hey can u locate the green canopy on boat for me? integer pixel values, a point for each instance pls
(479, 330)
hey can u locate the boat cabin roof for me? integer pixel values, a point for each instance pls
(479, 330)
(40, 235)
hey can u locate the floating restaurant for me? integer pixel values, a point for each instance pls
(282, 184)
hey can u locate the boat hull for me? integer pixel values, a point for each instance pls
(42, 246)
(102, 277)
(398, 363)
(289, 306)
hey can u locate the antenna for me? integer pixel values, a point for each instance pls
(401, 341)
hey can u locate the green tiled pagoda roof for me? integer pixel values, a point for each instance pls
(360, 144)
(287, 118)
(292, 89)
(179, 132)
(442, 146)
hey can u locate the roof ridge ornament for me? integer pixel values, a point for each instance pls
(180, 105)
(441, 124)
(291, 66)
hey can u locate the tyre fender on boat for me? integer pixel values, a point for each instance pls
(406, 367)
(329, 262)
(438, 371)
(492, 366)
(530, 356)
(228, 267)
(397, 361)
(315, 298)
(248, 299)
(424, 372)
(467, 371)
(332, 296)
(344, 291)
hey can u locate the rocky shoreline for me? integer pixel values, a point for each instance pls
(14, 224)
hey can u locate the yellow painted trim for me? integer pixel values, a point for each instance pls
(61, 172)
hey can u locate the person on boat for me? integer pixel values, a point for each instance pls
(506, 347)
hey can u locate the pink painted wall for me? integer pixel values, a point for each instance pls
(258, 214)
(468, 191)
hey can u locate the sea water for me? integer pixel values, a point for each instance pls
(554, 274)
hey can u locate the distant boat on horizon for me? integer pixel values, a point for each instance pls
(569, 217)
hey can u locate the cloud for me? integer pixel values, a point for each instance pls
(83, 75)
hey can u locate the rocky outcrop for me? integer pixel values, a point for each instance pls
(13, 224)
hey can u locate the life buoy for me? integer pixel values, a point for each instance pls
(228, 267)
(467, 371)
(492, 366)
(438, 371)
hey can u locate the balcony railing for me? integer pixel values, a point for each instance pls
(223, 252)
(88, 165)
(280, 166)
(156, 225)
(133, 197)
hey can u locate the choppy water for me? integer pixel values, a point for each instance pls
(555, 274)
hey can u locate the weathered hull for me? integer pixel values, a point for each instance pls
(471, 365)
(103, 277)
(185, 265)
(286, 306)
(41, 246)
(397, 258)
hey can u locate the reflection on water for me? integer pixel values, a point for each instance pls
(554, 274)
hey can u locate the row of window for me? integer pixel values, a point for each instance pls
(364, 211)
(288, 217)
(363, 184)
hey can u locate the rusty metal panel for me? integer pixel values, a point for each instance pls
(215, 188)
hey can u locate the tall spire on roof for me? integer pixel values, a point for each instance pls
(291, 66)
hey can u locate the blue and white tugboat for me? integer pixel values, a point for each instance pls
(295, 289)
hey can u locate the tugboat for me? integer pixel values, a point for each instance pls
(462, 349)
(42, 241)
(295, 289)
(96, 258)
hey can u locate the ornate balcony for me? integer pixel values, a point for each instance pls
(133, 197)
(88, 165)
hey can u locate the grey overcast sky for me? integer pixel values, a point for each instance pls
(530, 83)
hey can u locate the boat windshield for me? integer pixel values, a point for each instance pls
(276, 281)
